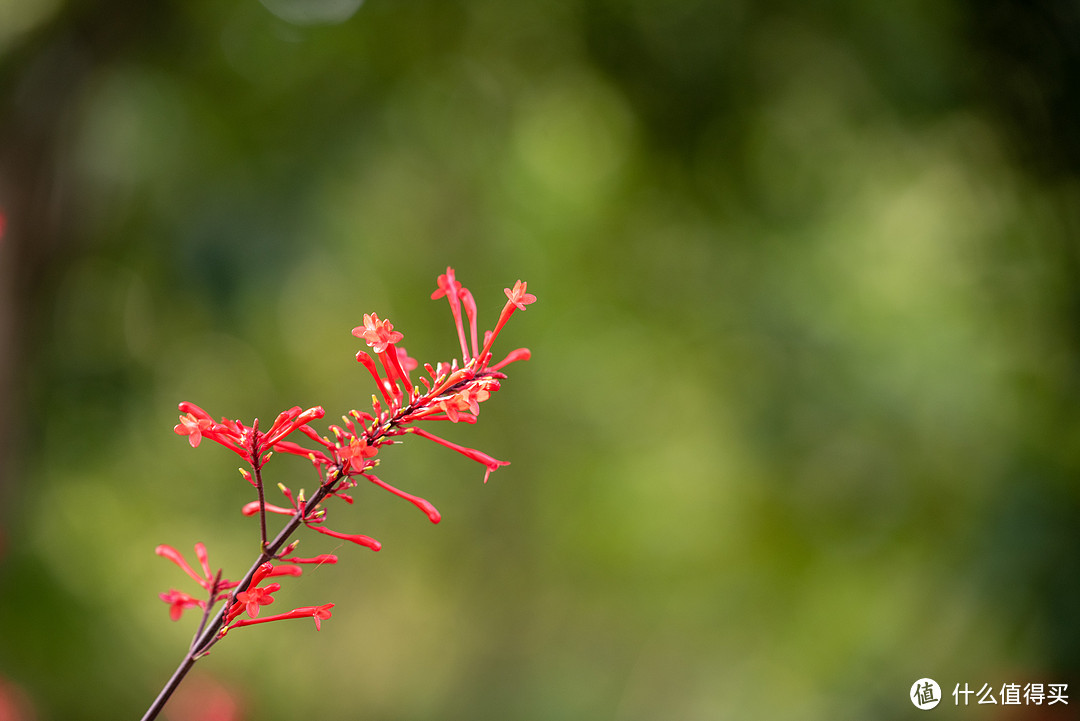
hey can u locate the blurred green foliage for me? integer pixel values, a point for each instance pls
(800, 425)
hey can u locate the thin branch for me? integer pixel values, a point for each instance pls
(257, 467)
(209, 633)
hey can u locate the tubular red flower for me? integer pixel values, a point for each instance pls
(179, 602)
(450, 408)
(250, 509)
(283, 419)
(392, 361)
(478, 456)
(378, 333)
(251, 445)
(518, 296)
(289, 421)
(448, 286)
(255, 597)
(320, 559)
(284, 569)
(469, 303)
(365, 360)
(196, 424)
(260, 573)
(407, 363)
(204, 560)
(298, 450)
(517, 300)
(461, 417)
(432, 512)
(356, 453)
(352, 538)
(468, 399)
(452, 289)
(319, 613)
(450, 380)
(310, 433)
(188, 407)
(513, 356)
(193, 427)
(166, 551)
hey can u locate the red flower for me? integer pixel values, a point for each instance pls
(513, 356)
(193, 428)
(298, 450)
(407, 363)
(478, 456)
(319, 560)
(206, 580)
(284, 569)
(448, 286)
(453, 291)
(451, 391)
(468, 399)
(432, 512)
(248, 443)
(179, 602)
(250, 509)
(377, 333)
(356, 453)
(253, 598)
(518, 296)
(517, 300)
(288, 421)
(356, 538)
(319, 613)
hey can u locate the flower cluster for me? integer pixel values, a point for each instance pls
(249, 443)
(249, 600)
(343, 457)
(258, 596)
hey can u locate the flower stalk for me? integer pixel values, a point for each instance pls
(347, 453)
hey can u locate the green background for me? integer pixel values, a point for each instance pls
(801, 424)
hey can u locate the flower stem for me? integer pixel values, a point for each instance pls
(257, 466)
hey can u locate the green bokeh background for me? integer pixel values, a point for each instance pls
(801, 422)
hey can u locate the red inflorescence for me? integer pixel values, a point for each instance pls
(448, 392)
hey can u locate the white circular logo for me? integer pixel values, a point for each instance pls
(925, 694)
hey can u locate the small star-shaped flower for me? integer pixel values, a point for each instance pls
(253, 598)
(193, 427)
(518, 296)
(378, 333)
